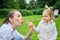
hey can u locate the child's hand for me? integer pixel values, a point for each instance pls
(31, 25)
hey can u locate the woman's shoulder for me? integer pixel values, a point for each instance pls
(5, 27)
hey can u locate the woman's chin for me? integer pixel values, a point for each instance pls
(20, 25)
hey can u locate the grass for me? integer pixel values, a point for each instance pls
(35, 19)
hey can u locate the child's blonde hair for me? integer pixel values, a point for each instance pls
(49, 10)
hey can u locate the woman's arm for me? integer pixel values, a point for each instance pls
(24, 37)
(28, 35)
(30, 26)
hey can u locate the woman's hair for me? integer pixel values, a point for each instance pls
(49, 10)
(10, 15)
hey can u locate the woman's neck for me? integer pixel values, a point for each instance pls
(14, 26)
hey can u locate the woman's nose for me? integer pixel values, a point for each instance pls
(21, 19)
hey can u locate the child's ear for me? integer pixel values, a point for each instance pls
(51, 17)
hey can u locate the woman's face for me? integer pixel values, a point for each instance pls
(17, 19)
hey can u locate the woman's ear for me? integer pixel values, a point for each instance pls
(10, 19)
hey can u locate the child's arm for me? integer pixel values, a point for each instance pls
(37, 29)
(55, 32)
(32, 26)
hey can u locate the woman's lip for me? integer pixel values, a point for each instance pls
(21, 22)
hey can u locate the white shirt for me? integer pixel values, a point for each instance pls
(46, 31)
(56, 12)
(7, 33)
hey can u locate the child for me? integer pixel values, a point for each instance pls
(46, 28)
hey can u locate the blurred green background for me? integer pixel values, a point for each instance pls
(31, 11)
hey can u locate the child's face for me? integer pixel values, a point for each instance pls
(46, 17)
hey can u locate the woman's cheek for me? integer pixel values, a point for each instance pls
(19, 22)
(16, 21)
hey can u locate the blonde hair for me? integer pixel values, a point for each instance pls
(49, 10)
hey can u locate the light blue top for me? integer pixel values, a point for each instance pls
(7, 33)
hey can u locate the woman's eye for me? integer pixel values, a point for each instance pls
(19, 16)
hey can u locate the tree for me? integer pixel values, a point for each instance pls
(9, 4)
(32, 4)
(42, 3)
(1, 4)
(22, 4)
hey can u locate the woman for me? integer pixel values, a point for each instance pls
(8, 29)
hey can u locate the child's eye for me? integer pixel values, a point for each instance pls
(46, 16)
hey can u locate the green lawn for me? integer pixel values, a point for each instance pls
(35, 19)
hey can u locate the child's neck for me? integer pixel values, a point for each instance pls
(48, 21)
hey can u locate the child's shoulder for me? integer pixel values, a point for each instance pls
(52, 22)
(41, 21)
